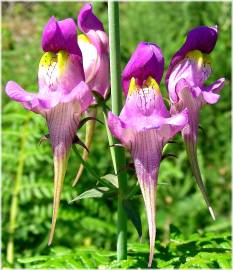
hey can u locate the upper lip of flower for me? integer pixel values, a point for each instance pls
(60, 35)
(202, 38)
(147, 60)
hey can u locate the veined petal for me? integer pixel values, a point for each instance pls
(147, 152)
(192, 104)
(59, 73)
(62, 121)
(144, 107)
(146, 61)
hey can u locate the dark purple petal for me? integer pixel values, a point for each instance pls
(147, 60)
(202, 38)
(60, 35)
(87, 20)
(69, 31)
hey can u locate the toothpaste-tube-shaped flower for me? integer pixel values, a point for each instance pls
(95, 50)
(63, 95)
(190, 67)
(145, 125)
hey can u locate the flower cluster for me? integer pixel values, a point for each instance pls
(72, 67)
(145, 125)
(69, 70)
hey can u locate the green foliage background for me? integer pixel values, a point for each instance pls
(86, 231)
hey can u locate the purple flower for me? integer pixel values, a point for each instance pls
(144, 124)
(95, 50)
(190, 67)
(63, 95)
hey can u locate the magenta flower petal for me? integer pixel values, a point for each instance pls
(210, 97)
(190, 67)
(60, 35)
(210, 92)
(215, 87)
(146, 152)
(69, 31)
(62, 98)
(17, 93)
(146, 147)
(82, 94)
(87, 20)
(58, 75)
(117, 128)
(145, 125)
(147, 60)
(95, 50)
(202, 38)
(63, 121)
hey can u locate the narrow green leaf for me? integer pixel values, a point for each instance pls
(133, 214)
(85, 163)
(111, 178)
(91, 193)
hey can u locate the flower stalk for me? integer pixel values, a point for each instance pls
(116, 93)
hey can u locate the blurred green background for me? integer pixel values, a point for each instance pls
(90, 224)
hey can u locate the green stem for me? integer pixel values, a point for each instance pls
(119, 160)
(14, 201)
